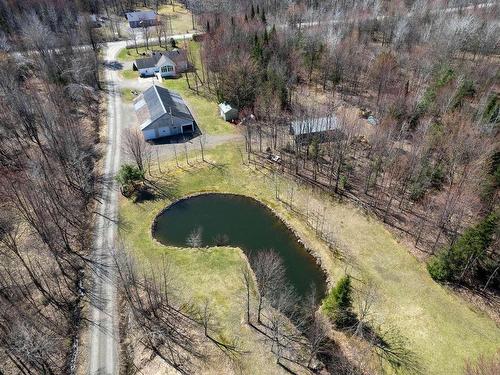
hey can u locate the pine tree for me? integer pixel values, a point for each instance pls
(252, 12)
(338, 302)
(257, 50)
(263, 17)
(266, 37)
(466, 254)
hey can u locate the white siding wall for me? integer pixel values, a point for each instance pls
(148, 71)
(152, 71)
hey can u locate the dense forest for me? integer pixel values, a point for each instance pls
(50, 120)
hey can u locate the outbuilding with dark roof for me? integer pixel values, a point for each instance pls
(162, 113)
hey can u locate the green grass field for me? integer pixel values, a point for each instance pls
(441, 329)
(182, 21)
(129, 74)
(204, 107)
(180, 17)
(128, 95)
(131, 54)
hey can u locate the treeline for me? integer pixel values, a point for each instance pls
(423, 75)
(49, 129)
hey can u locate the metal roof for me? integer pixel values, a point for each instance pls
(225, 108)
(158, 101)
(314, 125)
(141, 16)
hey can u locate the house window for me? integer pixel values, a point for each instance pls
(167, 68)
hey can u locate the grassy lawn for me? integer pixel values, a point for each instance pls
(205, 111)
(128, 95)
(204, 108)
(129, 74)
(130, 54)
(441, 329)
(182, 21)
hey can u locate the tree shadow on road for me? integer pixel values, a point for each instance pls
(113, 65)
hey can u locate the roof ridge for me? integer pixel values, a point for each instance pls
(159, 98)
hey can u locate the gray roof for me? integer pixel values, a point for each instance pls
(160, 101)
(148, 62)
(141, 16)
(176, 56)
(225, 107)
(314, 125)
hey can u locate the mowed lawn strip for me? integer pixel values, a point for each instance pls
(441, 329)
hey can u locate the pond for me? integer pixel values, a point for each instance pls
(245, 223)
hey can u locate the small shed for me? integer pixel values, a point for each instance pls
(227, 112)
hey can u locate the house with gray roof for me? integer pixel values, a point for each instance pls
(165, 63)
(162, 113)
(142, 19)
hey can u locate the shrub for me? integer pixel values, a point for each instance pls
(439, 268)
(129, 177)
(338, 303)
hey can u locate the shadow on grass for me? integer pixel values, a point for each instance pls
(390, 346)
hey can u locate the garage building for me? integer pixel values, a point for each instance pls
(163, 113)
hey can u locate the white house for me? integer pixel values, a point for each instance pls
(227, 112)
(167, 64)
(162, 113)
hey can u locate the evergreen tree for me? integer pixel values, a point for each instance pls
(257, 51)
(266, 37)
(208, 26)
(263, 17)
(252, 12)
(338, 302)
(466, 254)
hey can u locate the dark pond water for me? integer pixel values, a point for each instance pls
(244, 223)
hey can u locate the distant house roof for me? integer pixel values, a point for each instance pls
(225, 108)
(147, 15)
(156, 102)
(177, 56)
(314, 125)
